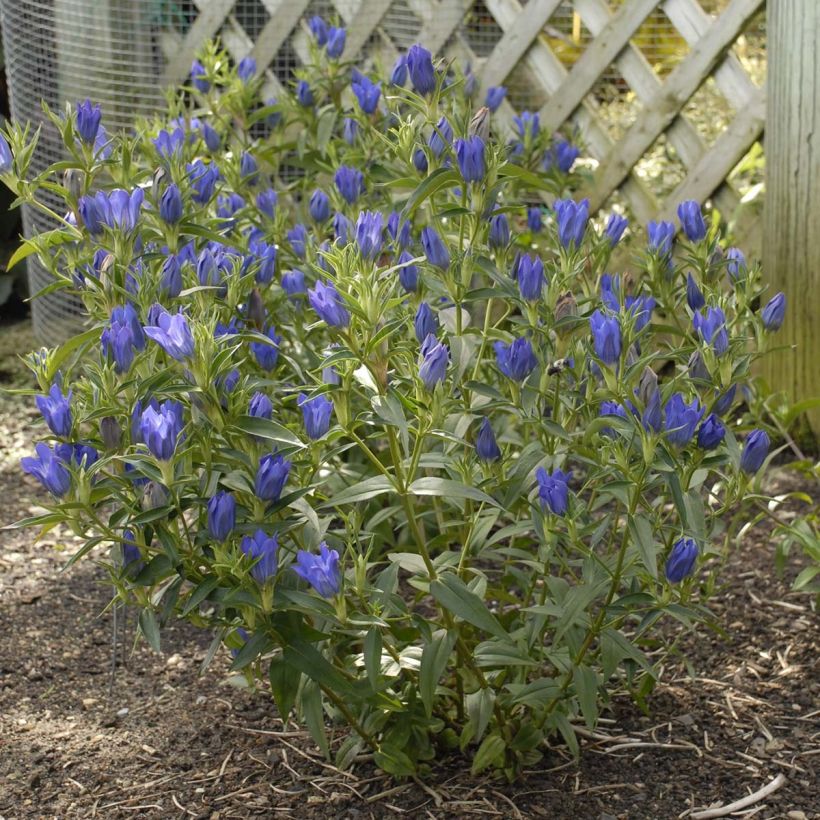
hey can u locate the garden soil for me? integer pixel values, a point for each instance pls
(733, 711)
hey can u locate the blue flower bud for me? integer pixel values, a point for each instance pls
(203, 180)
(615, 227)
(553, 490)
(336, 38)
(571, 218)
(661, 236)
(369, 234)
(711, 433)
(293, 283)
(350, 130)
(160, 428)
(470, 81)
(691, 220)
(298, 238)
(420, 161)
(470, 157)
(56, 410)
(529, 271)
(561, 155)
(88, 121)
(132, 561)
(774, 313)
(441, 138)
(319, 206)
(527, 125)
(694, 297)
(681, 419)
(122, 336)
(723, 404)
(486, 447)
(318, 28)
(221, 516)
(327, 302)
(77, 454)
(425, 322)
(266, 256)
(606, 337)
(534, 222)
(170, 205)
(316, 414)
(641, 308)
(6, 157)
(304, 94)
(198, 77)
(435, 356)
(495, 96)
(349, 183)
(649, 395)
(420, 66)
(712, 329)
(271, 477)
(172, 333)
(169, 144)
(48, 469)
(434, 248)
(246, 69)
(681, 561)
(263, 550)
(267, 201)
(515, 360)
(398, 76)
(367, 93)
(408, 273)
(210, 136)
(499, 231)
(171, 277)
(260, 406)
(612, 408)
(755, 450)
(267, 353)
(321, 571)
(735, 265)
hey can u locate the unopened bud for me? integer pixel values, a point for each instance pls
(154, 496)
(565, 306)
(111, 433)
(697, 367)
(480, 124)
(73, 182)
(256, 309)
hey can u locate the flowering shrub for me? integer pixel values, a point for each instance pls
(354, 398)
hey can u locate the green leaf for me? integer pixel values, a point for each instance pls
(150, 628)
(480, 708)
(256, 645)
(586, 688)
(615, 648)
(496, 654)
(394, 761)
(314, 715)
(269, 429)
(361, 491)
(444, 487)
(310, 661)
(200, 593)
(434, 659)
(373, 656)
(452, 593)
(490, 751)
(560, 721)
(440, 178)
(284, 684)
(641, 531)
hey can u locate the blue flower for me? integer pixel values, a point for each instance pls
(561, 155)
(661, 236)
(400, 232)
(271, 477)
(711, 433)
(78, 454)
(319, 206)
(318, 28)
(553, 490)
(408, 273)
(694, 297)
(198, 77)
(612, 408)
(420, 65)
(367, 93)
(56, 410)
(606, 337)
(304, 95)
(203, 180)
(267, 353)
(122, 336)
(369, 233)
(470, 157)
(263, 550)
(515, 360)
(48, 469)
(691, 220)
(420, 160)
(260, 406)
(434, 248)
(169, 144)
(735, 265)
(534, 222)
(350, 130)
(172, 333)
(529, 271)
(641, 308)
(275, 117)
(171, 277)
(712, 329)
(221, 516)
(649, 395)
(435, 356)
(88, 121)
(316, 414)
(246, 69)
(774, 313)
(499, 231)
(495, 96)
(470, 81)
(349, 183)
(755, 450)
(298, 238)
(120, 209)
(210, 137)
(442, 137)
(571, 218)
(248, 168)
(293, 282)
(321, 571)
(527, 124)
(486, 447)
(398, 76)
(425, 322)
(132, 561)
(325, 300)
(681, 419)
(266, 202)
(6, 157)
(265, 255)
(160, 428)
(336, 38)
(615, 227)
(681, 561)
(724, 402)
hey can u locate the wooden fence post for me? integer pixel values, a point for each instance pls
(791, 247)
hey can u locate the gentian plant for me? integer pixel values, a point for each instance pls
(359, 393)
